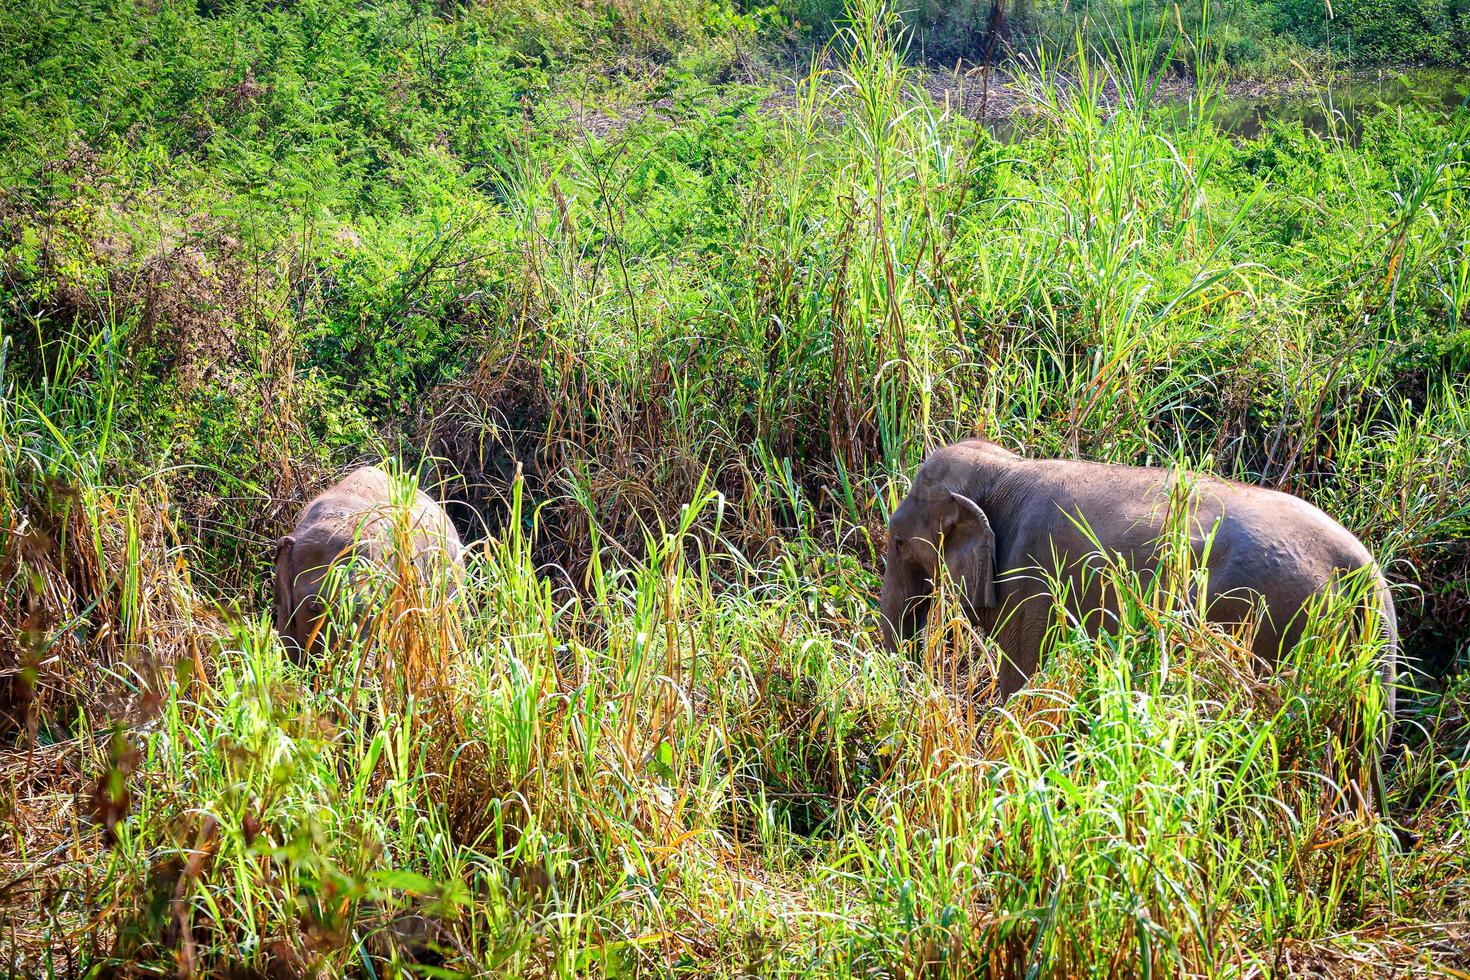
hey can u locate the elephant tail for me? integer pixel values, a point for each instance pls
(1389, 668)
(1390, 628)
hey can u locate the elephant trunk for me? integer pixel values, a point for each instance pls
(904, 603)
(285, 595)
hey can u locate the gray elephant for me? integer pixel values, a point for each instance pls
(352, 520)
(1006, 525)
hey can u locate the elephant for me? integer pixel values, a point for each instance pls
(351, 520)
(1005, 526)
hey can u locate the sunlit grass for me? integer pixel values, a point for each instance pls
(649, 727)
(658, 770)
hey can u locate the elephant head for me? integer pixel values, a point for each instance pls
(935, 524)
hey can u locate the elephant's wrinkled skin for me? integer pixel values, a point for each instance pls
(353, 519)
(1003, 518)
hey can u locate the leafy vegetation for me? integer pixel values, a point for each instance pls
(674, 330)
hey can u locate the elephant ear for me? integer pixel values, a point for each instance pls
(969, 552)
(285, 601)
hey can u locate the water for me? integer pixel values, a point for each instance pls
(1338, 108)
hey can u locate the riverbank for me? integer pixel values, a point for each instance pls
(1003, 98)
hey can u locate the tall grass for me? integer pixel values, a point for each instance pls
(683, 371)
(663, 768)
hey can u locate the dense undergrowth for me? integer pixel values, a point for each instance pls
(674, 331)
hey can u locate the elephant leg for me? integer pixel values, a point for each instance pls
(1019, 635)
(1012, 676)
(1237, 607)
